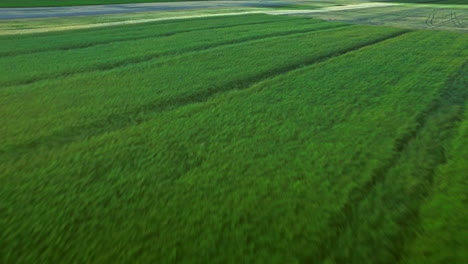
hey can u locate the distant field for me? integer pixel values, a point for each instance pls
(38, 3)
(442, 17)
(242, 139)
(446, 2)
(452, 2)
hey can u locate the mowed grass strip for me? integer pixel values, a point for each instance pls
(40, 66)
(75, 39)
(257, 175)
(83, 105)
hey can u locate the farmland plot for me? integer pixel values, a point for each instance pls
(434, 17)
(249, 139)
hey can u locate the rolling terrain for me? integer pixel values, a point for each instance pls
(234, 139)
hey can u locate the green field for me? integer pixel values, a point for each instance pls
(39, 3)
(238, 139)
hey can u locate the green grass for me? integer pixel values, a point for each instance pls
(250, 139)
(40, 3)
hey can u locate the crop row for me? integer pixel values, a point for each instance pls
(45, 65)
(105, 99)
(14, 45)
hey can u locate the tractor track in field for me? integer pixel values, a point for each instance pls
(98, 43)
(430, 18)
(137, 116)
(381, 19)
(454, 19)
(413, 17)
(346, 216)
(143, 59)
